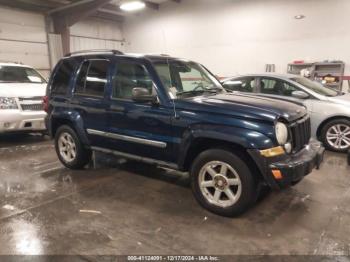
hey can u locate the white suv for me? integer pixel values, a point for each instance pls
(22, 89)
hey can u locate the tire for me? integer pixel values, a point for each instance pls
(329, 135)
(238, 179)
(66, 138)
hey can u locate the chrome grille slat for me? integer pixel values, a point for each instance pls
(32, 107)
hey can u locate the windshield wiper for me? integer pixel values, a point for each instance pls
(194, 92)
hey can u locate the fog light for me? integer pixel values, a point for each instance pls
(277, 174)
(7, 125)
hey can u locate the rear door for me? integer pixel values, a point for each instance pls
(89, 97)
(242, 84)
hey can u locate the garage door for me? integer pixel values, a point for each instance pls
(23, 39)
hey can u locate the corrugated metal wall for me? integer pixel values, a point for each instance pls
(23, 39)
(85, 43)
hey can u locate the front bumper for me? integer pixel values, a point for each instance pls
(21, 121)
(293, 167)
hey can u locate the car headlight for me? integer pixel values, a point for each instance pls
(8, 103)
(281, 131)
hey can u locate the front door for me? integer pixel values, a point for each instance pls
(142, 129)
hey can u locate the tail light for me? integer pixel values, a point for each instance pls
(46, 104)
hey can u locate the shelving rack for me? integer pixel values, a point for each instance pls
(319, 70)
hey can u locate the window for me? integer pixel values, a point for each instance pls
(183, 78)
(241, 84)
(316, 87)
(92, 78)
(276, 87)
(128, 76)
(62, 77)
(20, 74)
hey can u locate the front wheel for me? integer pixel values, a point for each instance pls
(336, 135)
(70, 150)
(223, 183)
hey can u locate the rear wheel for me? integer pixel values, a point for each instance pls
(70, 150)
(223, 183)
(336, 135)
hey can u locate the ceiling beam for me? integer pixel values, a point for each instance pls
(152, 5)
(176, 1)
(108, 16)
(23, 6)
(41, 3)
(75, 12)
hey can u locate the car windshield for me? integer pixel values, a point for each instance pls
(19, 74)
(187, 79)
(315, 86)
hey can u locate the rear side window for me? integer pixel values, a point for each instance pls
(62, 77)
(92, 78)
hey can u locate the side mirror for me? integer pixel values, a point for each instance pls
(300, 94)
(142, 95)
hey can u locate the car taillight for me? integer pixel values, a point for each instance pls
(46, 104)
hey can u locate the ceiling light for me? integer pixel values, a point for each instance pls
(132, 5)
(299, 17)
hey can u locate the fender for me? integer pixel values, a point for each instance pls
(248, 139)
(71, 116)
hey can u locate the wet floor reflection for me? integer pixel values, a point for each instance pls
(125, 207)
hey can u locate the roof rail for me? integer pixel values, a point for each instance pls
(114, 52)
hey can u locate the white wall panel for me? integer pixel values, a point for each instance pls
(83, 43)
(237, 37)
(96, 34)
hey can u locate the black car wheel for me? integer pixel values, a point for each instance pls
(70, 150)
(223, 183)
(336, 135)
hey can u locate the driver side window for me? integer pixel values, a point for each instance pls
(128, 76)
(276, 87)
(241, 84)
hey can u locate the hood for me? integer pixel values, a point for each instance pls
(249, 106)
(343, 99)
(22, 89)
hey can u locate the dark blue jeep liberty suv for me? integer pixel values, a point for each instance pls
(175, 113)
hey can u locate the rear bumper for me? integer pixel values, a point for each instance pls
(19, 121)
(293, 167)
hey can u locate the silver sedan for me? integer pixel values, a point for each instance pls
(328, 108)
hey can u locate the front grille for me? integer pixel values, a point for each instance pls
(32, 107)
(301, 133)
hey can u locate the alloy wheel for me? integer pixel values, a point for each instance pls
(220, 184)
(67, 147)
(338, 136)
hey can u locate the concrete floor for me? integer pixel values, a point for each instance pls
(137, 209)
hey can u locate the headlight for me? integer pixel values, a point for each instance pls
(8, 103)
(281, 133)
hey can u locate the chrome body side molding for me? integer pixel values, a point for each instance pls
(127, 138)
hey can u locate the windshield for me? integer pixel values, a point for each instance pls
(18, 74)
(315, 86)
(186, 79)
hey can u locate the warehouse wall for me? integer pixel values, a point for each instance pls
(236, 37)
(23, 39)
(89, 34)
(96, 34)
